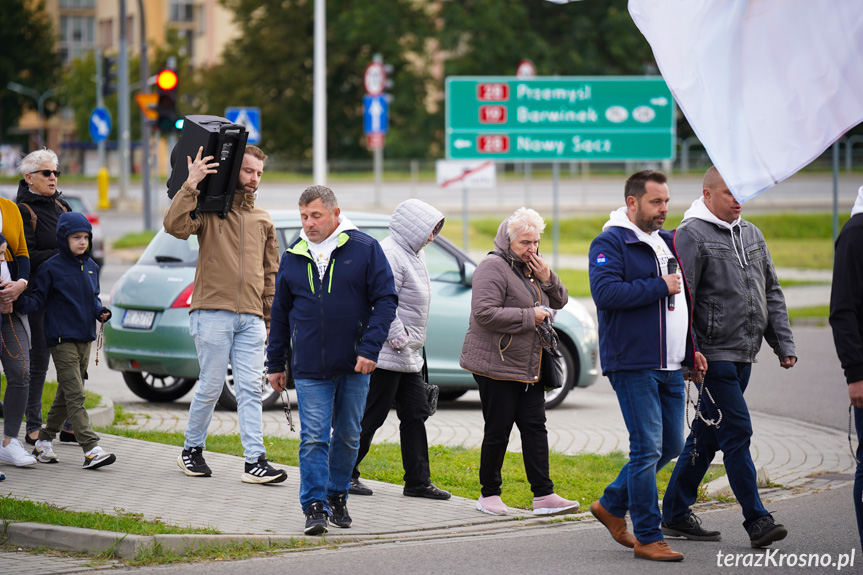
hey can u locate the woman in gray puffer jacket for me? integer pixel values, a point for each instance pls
(398, 376)
(514, 291)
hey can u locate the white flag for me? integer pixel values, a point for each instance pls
(767, 85)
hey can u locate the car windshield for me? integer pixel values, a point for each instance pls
(75, 203)
(166, 249)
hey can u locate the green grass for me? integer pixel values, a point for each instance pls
(795, 240)
(123, 522)
(577, 282)
(49, 391)
(815, 315)
(238, 551)
(134, 240)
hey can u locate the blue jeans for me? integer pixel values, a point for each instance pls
(726, 380)
(652, 404)
(222, 336)
(858, 477)
(326, 460)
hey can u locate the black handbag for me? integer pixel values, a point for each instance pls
(432, 391)
(551, 371)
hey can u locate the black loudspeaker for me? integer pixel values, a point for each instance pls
(226, 142)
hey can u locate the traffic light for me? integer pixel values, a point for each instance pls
(109, 75)
(166, 83)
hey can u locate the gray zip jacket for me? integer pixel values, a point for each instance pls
(412, 222)
(736, 295)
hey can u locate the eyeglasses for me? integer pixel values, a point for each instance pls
(47, 173)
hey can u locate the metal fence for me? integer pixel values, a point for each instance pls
(691, 157)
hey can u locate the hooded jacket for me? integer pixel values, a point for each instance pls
(238, 256)
(738, 299)
(67, 286)
(412, 222)
(324, 323)
(41, 242)
(630, 295)
(501, 340)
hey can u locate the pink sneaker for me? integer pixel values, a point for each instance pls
(553, 504)
(491, 505)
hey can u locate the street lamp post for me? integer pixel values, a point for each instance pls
(40, 103)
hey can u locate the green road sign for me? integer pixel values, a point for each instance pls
(593, 119)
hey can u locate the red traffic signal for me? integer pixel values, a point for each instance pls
(166, 79)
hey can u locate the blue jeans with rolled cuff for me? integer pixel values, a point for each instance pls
(652, 404)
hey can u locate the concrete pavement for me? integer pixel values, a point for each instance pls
(146, 480)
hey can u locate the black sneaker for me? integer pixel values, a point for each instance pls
(67, 437)
(765, 531)
(316, 519)
(262, 472)
(358, 488)
(191, 461)
(428, 491)
(339, 509)
(691, 529)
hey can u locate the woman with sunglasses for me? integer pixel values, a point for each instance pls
(15, 348)
(40, 204)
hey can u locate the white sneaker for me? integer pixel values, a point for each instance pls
(44, 452)
(15, 454)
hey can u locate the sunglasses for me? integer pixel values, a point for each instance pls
(47, 173)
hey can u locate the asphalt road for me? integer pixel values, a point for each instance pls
(820, 528)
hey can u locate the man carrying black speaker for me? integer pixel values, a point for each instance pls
(234, 286)
(737, 302)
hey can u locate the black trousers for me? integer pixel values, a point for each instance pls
(505, 403)
(407, 390)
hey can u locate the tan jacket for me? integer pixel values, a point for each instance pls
(238, 257)
(501, 340)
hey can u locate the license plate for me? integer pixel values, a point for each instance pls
(138, 319)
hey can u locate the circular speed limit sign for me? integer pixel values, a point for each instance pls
(375, 79)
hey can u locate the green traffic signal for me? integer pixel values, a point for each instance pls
(179, 123)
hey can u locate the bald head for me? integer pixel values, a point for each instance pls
(712, 179)
(718, 198)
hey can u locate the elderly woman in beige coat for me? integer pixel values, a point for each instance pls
(514, 290)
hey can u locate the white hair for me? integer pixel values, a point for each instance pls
(523, 220)
(34, 160)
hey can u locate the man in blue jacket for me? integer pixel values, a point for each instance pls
(335, 300)
(645, 338)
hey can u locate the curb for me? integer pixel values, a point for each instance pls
(129, 546)
(103, 415)
(720, 487)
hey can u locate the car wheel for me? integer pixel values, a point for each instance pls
(450, 394)
(160, 388)
(555, 397)
(228, 397)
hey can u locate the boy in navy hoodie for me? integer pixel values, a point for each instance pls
(67, 286)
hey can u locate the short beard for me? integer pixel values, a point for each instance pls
(647, 225)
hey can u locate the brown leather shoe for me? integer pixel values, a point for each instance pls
(657, 551)
(615, 525)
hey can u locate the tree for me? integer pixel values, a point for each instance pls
(270, 65)
(29, 57)
(78, 87)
